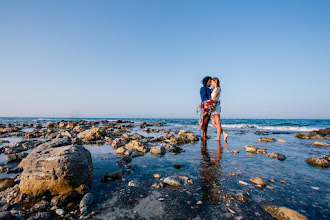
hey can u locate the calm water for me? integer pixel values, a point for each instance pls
(307, 189)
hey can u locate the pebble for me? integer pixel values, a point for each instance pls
(270, 187)
(282, 181)
(316, 188)
(199, 203)
(177, 166)
(87, 200)
(161, 199)
(60, 211)
(131, 183)
(232, 174)
(243, 183)
(157, 176)
(271, 180)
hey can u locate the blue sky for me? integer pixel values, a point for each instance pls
(147, 58)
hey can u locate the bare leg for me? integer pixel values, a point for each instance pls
(218, 126)
(213, 122)
(225, 135)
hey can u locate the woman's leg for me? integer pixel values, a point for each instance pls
(213, 122)
(225, 135)
(218, 126)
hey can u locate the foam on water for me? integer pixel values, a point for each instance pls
(274, 128)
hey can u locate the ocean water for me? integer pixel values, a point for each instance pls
(306, 189)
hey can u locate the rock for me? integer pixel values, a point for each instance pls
(83, 209)
(266, 139)
(282, 213)
(118, 142)
(40, 206)
(271, 180)
(60, 212)
(112, 176)
(127, 159)
(243, 183)
(6, 183)
(281, 141)
(158, 150)
(5, 215)
(187, 135)
(157, 176)
(136, 154)
(139, 146)
(172, 181)
(261, 150)
(276, 156)
(239, 198)
(320, 144)
(121, 150)
(92, 134)
(320, 134)
(66, 134)
(258, 181)
(282, 181)
(319, 162)
(87, 200)
(16, 157)
(55, 169)
(157, 185)
(250, 148)
(131, 183)
(326, 157)
(177, 166)
(234, 151)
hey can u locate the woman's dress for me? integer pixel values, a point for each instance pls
(217, 109)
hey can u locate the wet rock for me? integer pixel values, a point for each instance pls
(112, 176)
(250, 148)
(319, 162)
(239, 198)
(172, 181)
(131, 183)
(234, 151)
(258, 181)
(172, 148)
(157, 150)
(157, 139)
(127, 159)
(137, 145)
(118, 142)
(87, 200)
(320, 134)
(266, 139)
(276, 156)
(320, 144)
(55, 169)
(232, 174)
(60, 212)
(187, 135)
(157, 176)
(261, 151)
(16, 157)
(92, 134)
(5, 215)
(271, 180)
(136, 154)
(282, 213)
(281, 141)
(326, 157)
(6, 183)
(40, 216)
(177, 166)
(243, 183)
(169, 136)
(157, 185)
(40, 206)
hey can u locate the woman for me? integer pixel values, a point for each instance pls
(215, 121)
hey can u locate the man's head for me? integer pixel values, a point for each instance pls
(207, 81)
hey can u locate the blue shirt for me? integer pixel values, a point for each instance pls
(205, 93)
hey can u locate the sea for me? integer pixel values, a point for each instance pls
(210, 165)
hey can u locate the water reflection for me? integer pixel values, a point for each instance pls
(210, 171)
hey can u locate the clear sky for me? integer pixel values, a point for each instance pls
(147, 58)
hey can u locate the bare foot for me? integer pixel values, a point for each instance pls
(217, 139)
(203, 138)
(225, 137)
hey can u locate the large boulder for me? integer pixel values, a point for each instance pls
(92, 134)
(57, 169)
(282, 213)
(139, 146)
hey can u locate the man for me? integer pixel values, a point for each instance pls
(205, 92)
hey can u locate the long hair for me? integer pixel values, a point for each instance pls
(205, 80)
(217, 81)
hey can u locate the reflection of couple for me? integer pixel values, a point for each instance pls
(208, 94)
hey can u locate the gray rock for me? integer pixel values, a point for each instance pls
(60, 212)
(118, 142)
(158, 150)
(87, 200)
(127, 159)
(5, 215)
(16, 157)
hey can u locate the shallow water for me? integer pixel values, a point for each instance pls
(306, 189)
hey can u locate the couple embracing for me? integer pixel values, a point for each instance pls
(214, 96)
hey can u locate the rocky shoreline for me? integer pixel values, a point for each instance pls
(55, 172)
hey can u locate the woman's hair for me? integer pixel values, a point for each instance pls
(217, 81)
(205, 80)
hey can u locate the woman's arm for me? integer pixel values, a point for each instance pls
(215, 94)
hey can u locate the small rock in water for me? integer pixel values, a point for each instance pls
(157, 176)
(271, 180)
(87, 200)
(320, 144)
(258, 181)
(270, 187)
(157, 186)
(281, 141)
(234, 151)
(319, 162)
(171, 181)
(199, 203)
(131, 183)
(232, 174)
(316, 188)
(267, 139)
(326, 157)
(161, 199)
(243, 183)
(279, 212)
(177, 166)
(282, 181)
(127, 159)
(60, 212)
